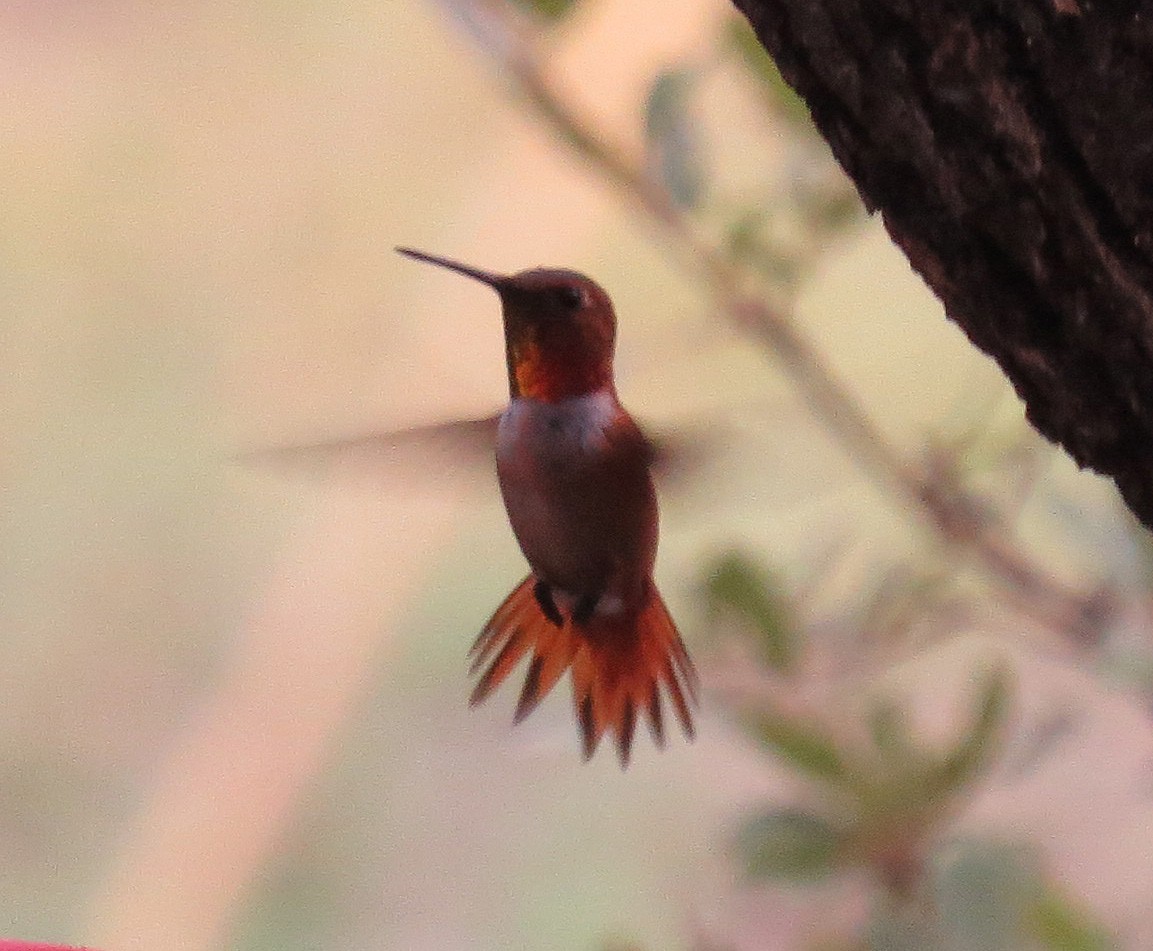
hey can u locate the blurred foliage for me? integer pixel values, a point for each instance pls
(987, 895)
(737, 586)
(883, 802)
(671, 137)
(775, 228)
(791, 844)
(781, 99)
(548, 10)
(982, 892)
(891, 795)
(805, 746)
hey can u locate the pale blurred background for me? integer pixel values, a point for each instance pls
(233, 704)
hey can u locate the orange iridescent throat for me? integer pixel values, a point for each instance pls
(554, 373)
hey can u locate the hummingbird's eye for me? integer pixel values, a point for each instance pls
(570, 297)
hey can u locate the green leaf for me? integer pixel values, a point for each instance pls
(791, 845)
(889, 727)
(747, 243)
(975, 748)
(985, 890)
(833, 209)
(783, 100)
(804, 746)
(550, 10)
(1059, 926)
(670, 135)
(737, 584)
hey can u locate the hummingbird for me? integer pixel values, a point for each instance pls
(574, 474)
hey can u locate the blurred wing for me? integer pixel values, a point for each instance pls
(682, 452)
(457, 444)
(679, 453)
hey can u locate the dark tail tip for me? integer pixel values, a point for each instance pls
(589, 735)
(625, 727)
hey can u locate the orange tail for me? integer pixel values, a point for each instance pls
(618, 666)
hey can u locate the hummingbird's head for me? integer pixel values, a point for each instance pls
(559, 329)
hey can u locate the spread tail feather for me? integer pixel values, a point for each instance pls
(619, 664)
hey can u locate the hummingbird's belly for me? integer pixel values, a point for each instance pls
(580, 500)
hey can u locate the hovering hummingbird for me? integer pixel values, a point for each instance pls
(574, 474)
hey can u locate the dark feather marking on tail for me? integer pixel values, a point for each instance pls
(543, 594)
(509, 654)
(625, 729)
(589, 737)
(529, 697)
(656, 721)
(489, 639)
(480, 647)
(477, 661)
(512, 614)
(495, 625)
(484, 645)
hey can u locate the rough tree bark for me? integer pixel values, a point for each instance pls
(1008, 145)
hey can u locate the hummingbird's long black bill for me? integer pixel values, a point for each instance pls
(485, 277)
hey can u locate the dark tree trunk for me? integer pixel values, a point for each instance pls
(1009, 146)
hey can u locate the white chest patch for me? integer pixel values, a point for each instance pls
(576, 425)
